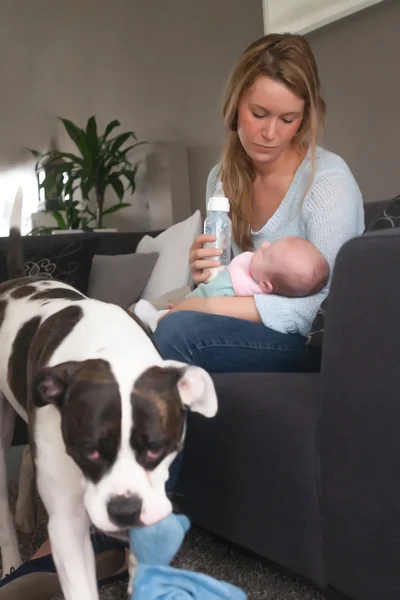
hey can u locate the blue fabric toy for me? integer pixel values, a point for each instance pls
(154, 548)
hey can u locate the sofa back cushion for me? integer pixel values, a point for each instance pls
(384, 214)
(67, 258)
(387, 215)
(172, 270)
(121, 278)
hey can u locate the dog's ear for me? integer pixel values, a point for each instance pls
(50, 384)
(196, 388)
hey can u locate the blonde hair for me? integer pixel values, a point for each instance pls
(286, 58)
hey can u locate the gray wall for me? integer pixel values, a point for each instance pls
(159, 67)
(359, 62)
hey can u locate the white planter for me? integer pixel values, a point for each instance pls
(105, 230)
(43, 219)
(63, 231)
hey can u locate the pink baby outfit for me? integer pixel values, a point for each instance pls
(242, 281)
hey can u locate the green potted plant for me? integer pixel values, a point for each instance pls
(101, 162)
(70, 216)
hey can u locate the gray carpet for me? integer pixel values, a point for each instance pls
(208, 554)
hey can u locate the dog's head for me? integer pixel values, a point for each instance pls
(124, 433)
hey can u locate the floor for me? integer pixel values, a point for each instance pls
(201, 552)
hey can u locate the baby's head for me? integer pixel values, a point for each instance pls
(291, 266)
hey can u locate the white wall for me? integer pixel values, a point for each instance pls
(303, 16)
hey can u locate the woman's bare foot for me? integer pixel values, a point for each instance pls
(44, 550)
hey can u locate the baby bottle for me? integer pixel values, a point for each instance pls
(219, 224)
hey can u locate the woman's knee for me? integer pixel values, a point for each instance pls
(172, 336)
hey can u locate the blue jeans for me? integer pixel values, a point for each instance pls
(227, 345)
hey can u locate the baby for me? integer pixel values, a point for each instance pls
(291, 267)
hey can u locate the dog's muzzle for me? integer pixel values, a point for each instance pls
(125, 511)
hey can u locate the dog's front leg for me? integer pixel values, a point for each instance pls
(73, 554)
(25, 509)
(60, 486)
(8, 538)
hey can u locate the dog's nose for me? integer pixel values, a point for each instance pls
(124, 511)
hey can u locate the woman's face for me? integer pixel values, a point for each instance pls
(269, 115)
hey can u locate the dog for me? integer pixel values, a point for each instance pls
(106, 417)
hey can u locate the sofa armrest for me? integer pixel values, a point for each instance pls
(359, 428)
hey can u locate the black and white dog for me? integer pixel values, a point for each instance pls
(106, 417)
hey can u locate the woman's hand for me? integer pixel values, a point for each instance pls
(197, 256)
(238, 307)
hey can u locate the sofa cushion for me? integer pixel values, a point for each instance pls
(373, 209)
(316, 335)
(388, 217)
(172, 268)
(120, 279)
(379, 215)
(54, 257)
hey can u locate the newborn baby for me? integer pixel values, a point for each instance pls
(288, 267)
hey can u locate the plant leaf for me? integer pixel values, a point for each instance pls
(74, 132)
(42, 230)
(73, 158)
(126, 150)
(91, 135)
(130, 174)
(115, 208)
(60, 219)
(49, 183)
(35, 153)
(120, 140)
(86, 186)
(118, 188)
(91, 213)
(112, 125)
(78, 136)
(91, 127)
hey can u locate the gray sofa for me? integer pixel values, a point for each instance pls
(303, 468)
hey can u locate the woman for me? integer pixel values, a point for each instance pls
(279, 182)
